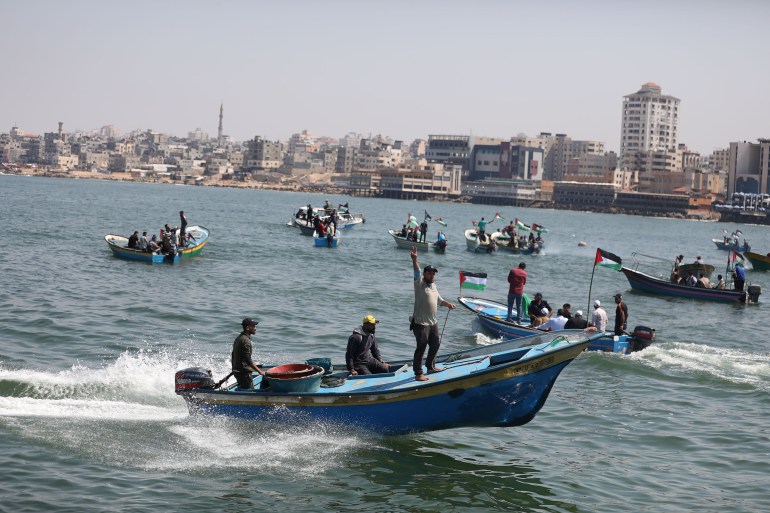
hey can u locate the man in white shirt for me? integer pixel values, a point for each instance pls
(599, 317)
(554, 323)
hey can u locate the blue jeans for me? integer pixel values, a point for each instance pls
(511, 299)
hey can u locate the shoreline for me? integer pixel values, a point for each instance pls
(329, 189)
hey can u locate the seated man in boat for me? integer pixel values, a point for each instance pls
(554, 323)
(535, 310)
(133, 240)
(576, 322)
(691, 280)
(143, 242)
(720, 283)
(698, 260)
(153, 246)
(675, 279)
(242, 364)
(403, 232)
(362, 355)
(703, 282)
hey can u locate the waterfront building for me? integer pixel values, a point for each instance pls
(493, 191)
(650, 123)
(749, 167)
(584, 195)
(642, 203)
(505, 161)
(449, 150)
(425, 180)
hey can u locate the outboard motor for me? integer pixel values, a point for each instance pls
(643, 337)
(187, 380)
(753, 293)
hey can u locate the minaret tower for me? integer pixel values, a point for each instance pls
(221, 115)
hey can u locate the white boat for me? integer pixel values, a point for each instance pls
(404, 243)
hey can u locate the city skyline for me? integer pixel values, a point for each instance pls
(405, 70)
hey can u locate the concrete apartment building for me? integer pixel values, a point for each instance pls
(449, 150)
(650, 124)
(558, 151)
(748, 167)
(505, 161)
(262, 154)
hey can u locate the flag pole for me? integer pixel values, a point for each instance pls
(588, 308)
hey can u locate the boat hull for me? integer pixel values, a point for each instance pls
(325, 242)
(758, 262)
(118, 245)
(647, 283)
(492, 314)
(488, 390)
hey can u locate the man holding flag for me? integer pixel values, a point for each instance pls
(424, 322)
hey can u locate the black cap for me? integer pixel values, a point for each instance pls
(538, 294)
(618, 295)
(429, 268)
(522, 265)
(249, 322)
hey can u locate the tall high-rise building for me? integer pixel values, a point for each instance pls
(650, 123)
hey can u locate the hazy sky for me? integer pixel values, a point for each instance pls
(403, 69)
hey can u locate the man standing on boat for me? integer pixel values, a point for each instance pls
(739, 276)
(424, 323)
(182, 229)
(242, 363)
(599, 317)
(621, 315)
(362, 355)
(517, 278)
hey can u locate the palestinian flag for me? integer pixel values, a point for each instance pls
(440, 221)
(427, 215)
(539, 228)
(607, 259)
(497, 216)
(522, 226)
(475, 281)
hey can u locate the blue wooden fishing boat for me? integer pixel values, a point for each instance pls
(647, 283)
(197, 238)
(492, 315)
(496, 385)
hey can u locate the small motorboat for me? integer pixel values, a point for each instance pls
(404, 243)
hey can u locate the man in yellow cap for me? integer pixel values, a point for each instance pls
(362, 355)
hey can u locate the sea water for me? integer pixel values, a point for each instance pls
(89, 344)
